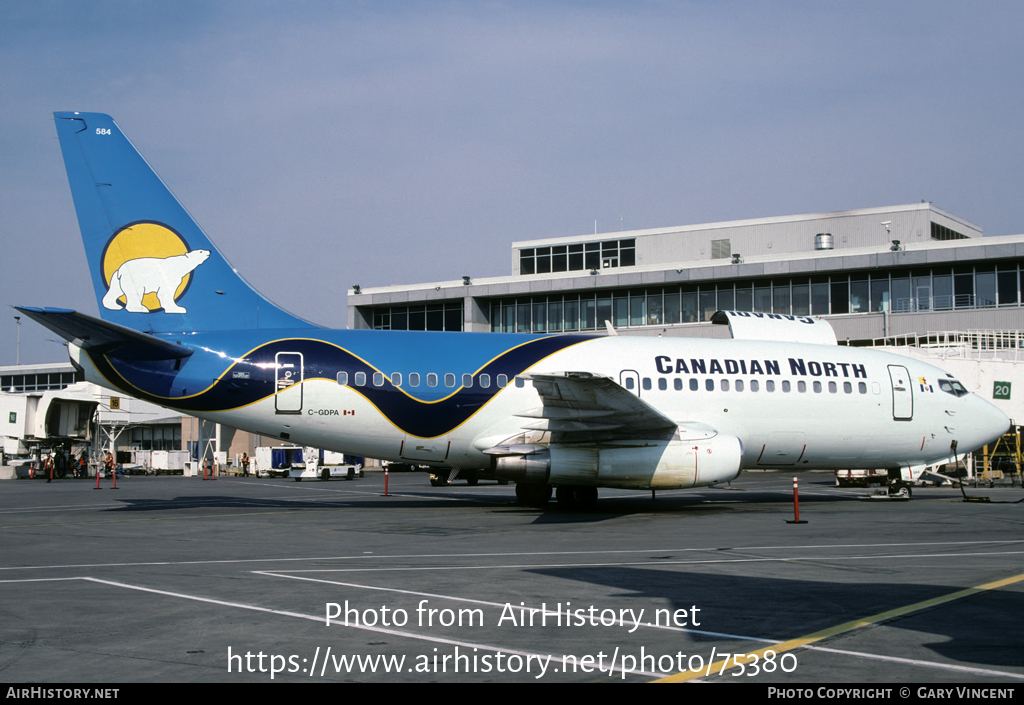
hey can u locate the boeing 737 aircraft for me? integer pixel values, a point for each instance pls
(181, 329)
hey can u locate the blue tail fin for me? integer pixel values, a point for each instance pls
(153, 268)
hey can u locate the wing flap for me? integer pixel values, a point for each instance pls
(580, 406)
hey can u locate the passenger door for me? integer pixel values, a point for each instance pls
(630, 380)
(902, 393)
(288, 385)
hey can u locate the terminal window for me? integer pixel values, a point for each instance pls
(941, 232)
(577, 258)
(939, 288)
(439, 317)
(40, 382)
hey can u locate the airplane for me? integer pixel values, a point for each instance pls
(564, 412)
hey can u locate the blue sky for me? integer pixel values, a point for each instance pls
(325, 144)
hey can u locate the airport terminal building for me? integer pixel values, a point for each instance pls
(873, 273)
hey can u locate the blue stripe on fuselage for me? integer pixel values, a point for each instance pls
(230, 370)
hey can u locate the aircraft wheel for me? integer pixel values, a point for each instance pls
(472, 481)
(900, 489)
(502, 482)
(565, 495)
(533, 495)
(298, 479)
(586, 497)
(325, 475)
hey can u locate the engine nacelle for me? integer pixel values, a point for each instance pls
(652, 464)
(532, 469)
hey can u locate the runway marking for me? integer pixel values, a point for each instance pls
(71, 507)
(321, 620)
(847, 627)
(817, 559)
(141, 519)
(808, 646)
(501, 605)
(510, 553)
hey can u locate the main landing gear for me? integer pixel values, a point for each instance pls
(533, 495)
(900, 490)
(569, 497)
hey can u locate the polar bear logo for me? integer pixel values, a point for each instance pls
(151, 275)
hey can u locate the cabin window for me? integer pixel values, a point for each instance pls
(485, 380)
(378, 379)
(343, 378)
(769, 385)
(693, 385)
(396, 379)
(832, 389)
(431, 379)
(520, 382)
(817, 387)
(862, 387)
(467, 380)
(629, 383)
(360, 379)
(739, 385)
(449, 380)
(754, 386)
(785, 386)
(502, 381)
(647, 383)
(847, 388)
(662, 383)
(414, 379)
(724, 385)
(709, 384)
(801, 386)
(678, 384)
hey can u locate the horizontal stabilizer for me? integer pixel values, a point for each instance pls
(105, 337)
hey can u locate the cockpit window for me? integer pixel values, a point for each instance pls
(951, 386)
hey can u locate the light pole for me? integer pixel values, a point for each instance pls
(17, 359)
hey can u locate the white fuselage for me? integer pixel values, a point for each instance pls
(790, 405)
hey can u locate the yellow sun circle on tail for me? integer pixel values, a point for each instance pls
(140, 240)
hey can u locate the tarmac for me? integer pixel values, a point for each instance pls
(172, 579)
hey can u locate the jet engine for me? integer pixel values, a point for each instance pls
(655, 464)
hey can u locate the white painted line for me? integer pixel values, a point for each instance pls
(71, 507)
(378, 557)
(844, 652)
(39, 580)
(521, 566)
(502, 606)
(363, 627)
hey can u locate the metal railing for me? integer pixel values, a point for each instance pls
(940, 303)
(969, 345)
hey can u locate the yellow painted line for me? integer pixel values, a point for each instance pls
(721, 666)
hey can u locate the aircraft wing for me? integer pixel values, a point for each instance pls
(580, 406)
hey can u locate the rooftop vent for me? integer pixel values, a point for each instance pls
(824, 241)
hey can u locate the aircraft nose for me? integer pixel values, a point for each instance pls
(991, 421)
